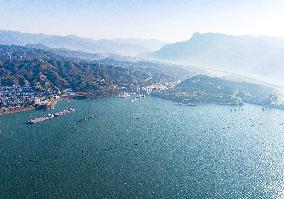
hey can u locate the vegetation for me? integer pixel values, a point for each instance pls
(53, 70)
(205, 89)
(43, 69)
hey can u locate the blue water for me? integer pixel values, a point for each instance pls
(150, 148)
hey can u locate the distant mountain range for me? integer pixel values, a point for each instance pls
(131, 47)
(258, 55)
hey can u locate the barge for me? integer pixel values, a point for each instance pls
(50, 116)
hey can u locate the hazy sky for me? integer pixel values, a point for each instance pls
(168, 20)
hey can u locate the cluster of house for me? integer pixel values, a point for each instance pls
(159, 87)
(11, 96)
(21, 96)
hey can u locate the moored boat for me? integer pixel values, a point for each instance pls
(50, 116)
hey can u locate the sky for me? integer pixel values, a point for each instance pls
(167, 20)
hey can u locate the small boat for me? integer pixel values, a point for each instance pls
(124, 95)
(86, 118)
(190, 104)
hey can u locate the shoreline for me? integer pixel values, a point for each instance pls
(82, 96)
(18, 109)
(6, 111)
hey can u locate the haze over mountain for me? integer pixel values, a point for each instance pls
(51, 70)
(249, 54)
(130, 47)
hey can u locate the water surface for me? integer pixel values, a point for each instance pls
(150, 148)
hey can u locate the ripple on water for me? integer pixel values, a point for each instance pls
(150, 148)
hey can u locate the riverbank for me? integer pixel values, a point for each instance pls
(5, 111)
(37, 106)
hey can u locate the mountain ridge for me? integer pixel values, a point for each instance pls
(260, 55)
(46, 70)
(116, 46)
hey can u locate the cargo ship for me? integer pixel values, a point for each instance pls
(50, 116)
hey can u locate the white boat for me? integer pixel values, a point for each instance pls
(124, 95)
